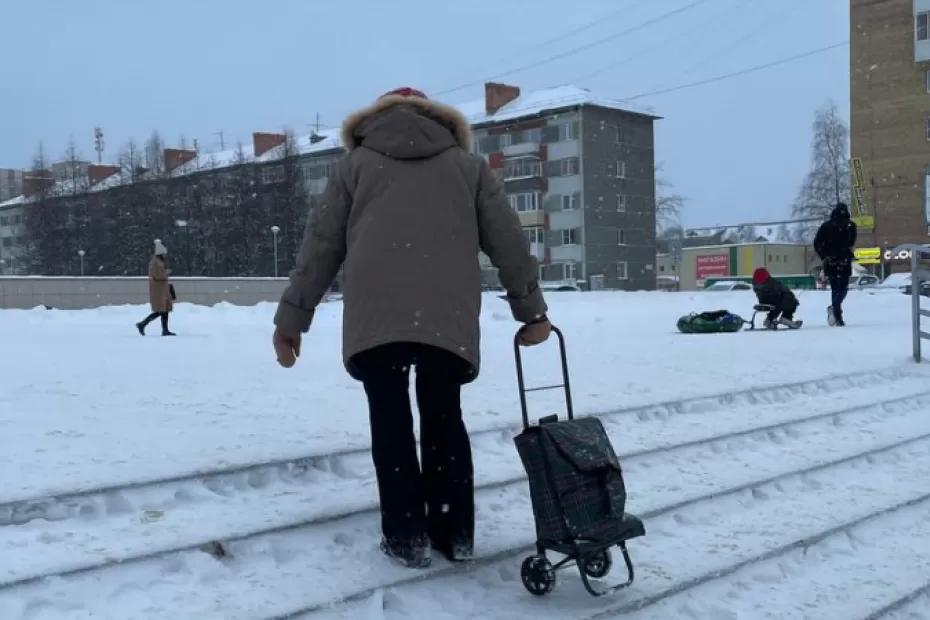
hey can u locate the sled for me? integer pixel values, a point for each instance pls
(577, 492)
(766, 308)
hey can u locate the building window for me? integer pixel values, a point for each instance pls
(617, 169)
(621, 237)
(273, 174)
(489, 144)
(522, 168)
(570, 271)
(927, 129)
(8, 242)
(571, 236)
(570, 202)
(621, 136)
(314, 171)
(622, 270)
(563, 167)
(4, 221)
(923, 26)
(562, 132)
(535, 234)
(928, 80)
(621, 203)
(523, 202)
(661, 268)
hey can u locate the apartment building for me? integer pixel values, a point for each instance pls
(890, 117)
(580, 172)
(11, 183)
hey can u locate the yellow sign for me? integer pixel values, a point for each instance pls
(869, 261)
(867, 253)
(857, 171)
(860, 203)
(865, 222)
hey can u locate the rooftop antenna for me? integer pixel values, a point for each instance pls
(222, 142)
(98, 143)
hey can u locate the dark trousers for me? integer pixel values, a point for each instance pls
(839, 287)
(155, 315)
(439, 499)
(785, 308)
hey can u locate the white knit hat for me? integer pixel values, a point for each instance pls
(160, 248)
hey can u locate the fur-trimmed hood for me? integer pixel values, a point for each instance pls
(407, 128)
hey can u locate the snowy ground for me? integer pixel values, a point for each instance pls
(120, 457)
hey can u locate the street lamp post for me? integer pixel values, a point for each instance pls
(274, 231)
(81, 254)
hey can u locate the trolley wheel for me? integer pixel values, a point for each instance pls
(599, 564)
(538, 575)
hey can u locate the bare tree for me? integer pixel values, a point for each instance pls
(154, 154)
(73, 172)
(828, 181)
(130, 162)
(668, 203)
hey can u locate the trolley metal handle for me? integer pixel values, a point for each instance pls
(522, 386)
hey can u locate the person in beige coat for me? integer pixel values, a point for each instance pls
(405, 215)
(160, 297)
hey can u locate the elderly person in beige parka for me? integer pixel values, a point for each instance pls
(405, 214)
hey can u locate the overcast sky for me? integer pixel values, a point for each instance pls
(737, 149)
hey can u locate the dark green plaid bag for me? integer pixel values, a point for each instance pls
(576, 483)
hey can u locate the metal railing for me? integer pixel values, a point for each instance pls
(918, 278)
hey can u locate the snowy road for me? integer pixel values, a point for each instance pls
(806, 497)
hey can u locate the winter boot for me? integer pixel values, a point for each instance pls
(141, 328)
(410, 552)
(459, 549)
(168, 333)
(790, 323)
(831, 317)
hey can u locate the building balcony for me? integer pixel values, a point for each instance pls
(524, 148)
(566, 254)
(538, 250)
(532, 218)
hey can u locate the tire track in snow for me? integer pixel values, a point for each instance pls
(901, 606)
(21, 510)
(630, 462)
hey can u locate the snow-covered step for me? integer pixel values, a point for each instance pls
(848, 389)
(160, 520)
(844, 576)
(311, 566)
(755, 529)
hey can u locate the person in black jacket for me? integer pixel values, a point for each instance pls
(834, 243)
(773, 293)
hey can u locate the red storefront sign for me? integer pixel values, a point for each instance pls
(713, 266)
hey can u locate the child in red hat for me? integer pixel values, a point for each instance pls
(771, 292)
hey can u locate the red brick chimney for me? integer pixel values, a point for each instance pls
(175, 158)
(37, 182)
(99, 172)
(264, 142)
(496, 96)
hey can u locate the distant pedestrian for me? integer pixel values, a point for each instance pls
(834, 244)
(405, 213)
(771, 292)
(160, 291)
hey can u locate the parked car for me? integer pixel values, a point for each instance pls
(729, 285)
(924, 289)
(863, 281)
(560, 288)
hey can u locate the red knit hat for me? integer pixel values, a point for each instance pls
(761, 276)
(406, 91)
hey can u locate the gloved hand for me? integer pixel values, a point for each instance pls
(286, 346)
(535, 333)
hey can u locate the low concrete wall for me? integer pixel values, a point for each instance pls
(78, 293)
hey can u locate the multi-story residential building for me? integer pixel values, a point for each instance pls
(11, 183)
(12, 236)
(890, 117)
(580, 172)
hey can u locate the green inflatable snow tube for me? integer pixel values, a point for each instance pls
(717, 322)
